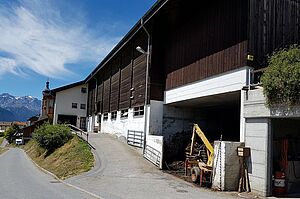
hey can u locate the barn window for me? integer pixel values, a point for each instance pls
(114, 115)
(138, 111)
(124, 114)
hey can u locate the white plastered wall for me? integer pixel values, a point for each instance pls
(120, 126)
(64, 100)
(226, 82)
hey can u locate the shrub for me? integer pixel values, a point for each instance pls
(281, 80)
(51, 137)
(10, 132)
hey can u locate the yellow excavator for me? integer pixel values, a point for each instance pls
(201, 171)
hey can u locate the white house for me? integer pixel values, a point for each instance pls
(70, 104)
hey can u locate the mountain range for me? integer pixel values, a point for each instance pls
(13, 108)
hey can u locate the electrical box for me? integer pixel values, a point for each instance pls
(250, 57)
(243, 151)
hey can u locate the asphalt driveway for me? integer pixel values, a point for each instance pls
(122, 173)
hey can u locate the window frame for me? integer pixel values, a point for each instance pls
(113, 115)
(124, 114)
(81, 106)
(138, 111)
(105, 116)
(83, 90)
(74, 105)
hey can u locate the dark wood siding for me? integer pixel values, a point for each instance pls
(106, 96)
(196, 40)
(91, 100)
(225, 60)
(138, 81)
(114, 93)
(100, 98)
(273, 24)
(89, 104)
(125, 87)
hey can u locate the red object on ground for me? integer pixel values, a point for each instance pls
(279, 187)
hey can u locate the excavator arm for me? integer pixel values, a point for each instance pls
(209, 147)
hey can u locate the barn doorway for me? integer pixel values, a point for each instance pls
(286, 156)
(67, 119)
(216, 115)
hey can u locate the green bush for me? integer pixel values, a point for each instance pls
(281, 80)
(9, 133)
(51, 137)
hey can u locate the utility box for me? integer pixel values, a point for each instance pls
(243, 151)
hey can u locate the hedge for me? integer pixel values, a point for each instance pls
(281, 80)
(51, 137)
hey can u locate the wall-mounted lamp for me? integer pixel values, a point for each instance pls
(141, 50)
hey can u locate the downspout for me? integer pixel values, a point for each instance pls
(95, 103)
(146, 84)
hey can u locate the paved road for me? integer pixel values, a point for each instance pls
(122, 173)
(21, 179)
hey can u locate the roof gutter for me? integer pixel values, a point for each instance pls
(140, 26)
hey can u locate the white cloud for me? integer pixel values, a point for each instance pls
(36, 37)
(7, 65)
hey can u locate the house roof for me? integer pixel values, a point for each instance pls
(5, 123)
(134, 30)
(53, 91)
(11, 123)
(20, 123)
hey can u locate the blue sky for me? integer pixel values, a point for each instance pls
(62, 40)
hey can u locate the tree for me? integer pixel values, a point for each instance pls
(281, 80)
(10, 132)
(51, 137)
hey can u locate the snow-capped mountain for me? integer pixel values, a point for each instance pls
(21, 108)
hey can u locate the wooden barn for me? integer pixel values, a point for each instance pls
(188, 62)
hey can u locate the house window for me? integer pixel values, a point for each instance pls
(82, 106)
(124, 114)
(114, 115)
(105, 116)
(83, 90)
(74, 105)
(138, 111)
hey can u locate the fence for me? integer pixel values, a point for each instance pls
(135, 138)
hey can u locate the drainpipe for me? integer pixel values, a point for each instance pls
(95, 107)
(146, 88)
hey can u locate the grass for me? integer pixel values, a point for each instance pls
(1, 140)
(2, 150)
(73, 158)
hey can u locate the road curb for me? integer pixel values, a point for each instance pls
(61, 181)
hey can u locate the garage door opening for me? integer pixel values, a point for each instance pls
(67, 119)
(216, 115)
(286, 156)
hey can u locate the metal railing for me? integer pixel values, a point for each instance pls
(135, 138)
(256, 75)
(81, 133)
(153, 155)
